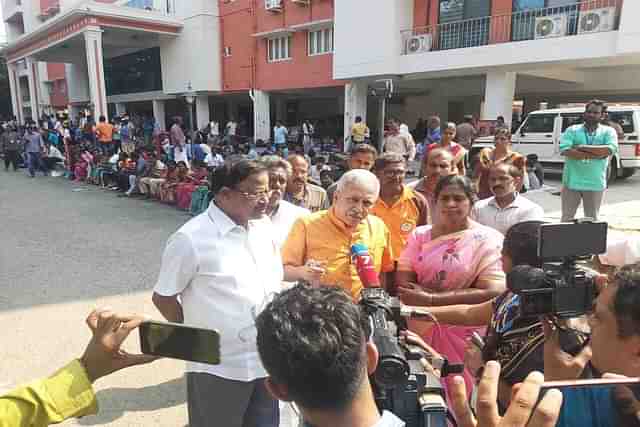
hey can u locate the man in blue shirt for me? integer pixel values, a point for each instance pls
(587, 148)
(280, 134)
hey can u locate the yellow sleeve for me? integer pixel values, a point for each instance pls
(65, 394)
(294, 249)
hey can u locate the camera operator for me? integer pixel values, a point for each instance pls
(515, 343)
(314, 344)
(615, 333)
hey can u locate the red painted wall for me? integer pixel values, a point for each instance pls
(248, 67)
(59, 94)
(501, 21)
(55, 71)
(420, 13)
(46, 4)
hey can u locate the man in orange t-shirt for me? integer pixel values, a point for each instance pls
(401, 208)
(104, 132)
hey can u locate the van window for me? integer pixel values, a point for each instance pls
(624, 118)
(539, 123)
(570, 119)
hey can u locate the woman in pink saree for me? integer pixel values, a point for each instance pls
(453, 261)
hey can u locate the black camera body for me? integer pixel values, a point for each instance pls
(566, 289)
(401, 383)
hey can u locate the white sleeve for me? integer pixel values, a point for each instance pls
(179, 266)
(536, 213)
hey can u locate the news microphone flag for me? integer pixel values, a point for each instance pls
(365, 266)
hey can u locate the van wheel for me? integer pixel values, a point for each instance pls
(612, 171)
(628, 172)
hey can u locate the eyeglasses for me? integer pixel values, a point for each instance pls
(254, 196)
(394, 173)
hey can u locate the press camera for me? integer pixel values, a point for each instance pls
(407, 379)
(567, 290)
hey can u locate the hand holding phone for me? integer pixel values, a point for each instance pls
(178, 341)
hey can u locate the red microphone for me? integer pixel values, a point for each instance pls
(364, 266)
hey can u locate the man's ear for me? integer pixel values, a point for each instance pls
(372, 357)
(278, 391)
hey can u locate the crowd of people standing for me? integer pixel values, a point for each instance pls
(438, 242)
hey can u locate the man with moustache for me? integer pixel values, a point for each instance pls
(216, 271)
(299, 191)
(282, 213)
(318, 249)
(363, 156)
(402, 209)
(436, 164)
(506, 207)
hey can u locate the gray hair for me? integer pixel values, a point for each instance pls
(360, 177)
(275, 162)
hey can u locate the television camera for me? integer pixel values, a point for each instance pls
(567, 289)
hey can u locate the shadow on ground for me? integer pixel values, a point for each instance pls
(116, 402)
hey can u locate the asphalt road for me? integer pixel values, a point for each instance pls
(66, 248)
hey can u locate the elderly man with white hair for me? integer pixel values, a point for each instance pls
(318, 249)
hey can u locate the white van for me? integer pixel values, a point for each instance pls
(540, 134)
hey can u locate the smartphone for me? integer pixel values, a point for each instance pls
(598, 402)
(178, 341)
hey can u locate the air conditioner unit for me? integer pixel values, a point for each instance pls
(273, 5)
(551, 26)
(419, 44)
(597, 20)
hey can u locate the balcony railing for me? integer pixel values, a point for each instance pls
(585, 17)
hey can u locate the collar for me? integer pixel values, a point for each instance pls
(514, 204)
(407, 194)
(221, 219)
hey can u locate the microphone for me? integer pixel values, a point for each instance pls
(364, 266)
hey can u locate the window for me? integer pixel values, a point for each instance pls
(227, 51)
(624, 119)
(570, 119)
(539, 123)
(278, 49)
(320, 41)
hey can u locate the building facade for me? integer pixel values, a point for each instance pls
(457, 57)
(328, 61)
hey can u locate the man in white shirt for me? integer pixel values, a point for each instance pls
(507, 207)
(283, 214)
(218, 271)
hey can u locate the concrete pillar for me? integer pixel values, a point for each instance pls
(159, 113)
(95, 71)
(500, 89)
(121, 109)
(32, 75)
(16, 101)
(261, 115)
(202, 111)
(355, 104)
